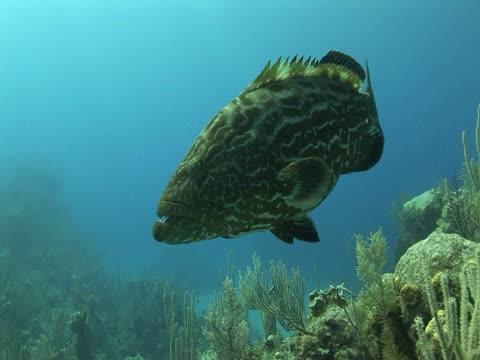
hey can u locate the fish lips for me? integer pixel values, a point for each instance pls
(177, 222)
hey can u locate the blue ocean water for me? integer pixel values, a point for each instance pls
(111, 94)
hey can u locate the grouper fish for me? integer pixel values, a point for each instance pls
(274, 153)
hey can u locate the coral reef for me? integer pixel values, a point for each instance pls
(87, 315)
(401, 315)
(427, 308)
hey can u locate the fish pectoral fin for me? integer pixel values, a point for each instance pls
(308, 181)
(301, 228)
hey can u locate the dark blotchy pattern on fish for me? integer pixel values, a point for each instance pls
(274, 153)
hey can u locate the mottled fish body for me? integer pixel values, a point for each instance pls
(274, 153)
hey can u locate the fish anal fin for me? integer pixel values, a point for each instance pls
(302, 228)
(307, 181)
(282, 234)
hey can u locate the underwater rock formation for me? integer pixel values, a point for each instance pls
(422, 212)
(418, 218)
(331, 332)
(385, 323)
(439, 252)
(320, 300)
(430, 267)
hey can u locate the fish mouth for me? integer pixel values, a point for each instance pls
(174, 229)
(171, 219)
(177, 222)
(174, 220)
(169, 210)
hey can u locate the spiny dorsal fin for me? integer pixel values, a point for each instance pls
(332, 65)
(336, 57)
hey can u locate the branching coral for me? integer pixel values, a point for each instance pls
(371, 260)
(458, 212)
(462, 209)
(453, 333)
(269, 323)
(281, 296)
(182, 335)
(226, 326)
(371, 257)
(472, 167)
(379, 311)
